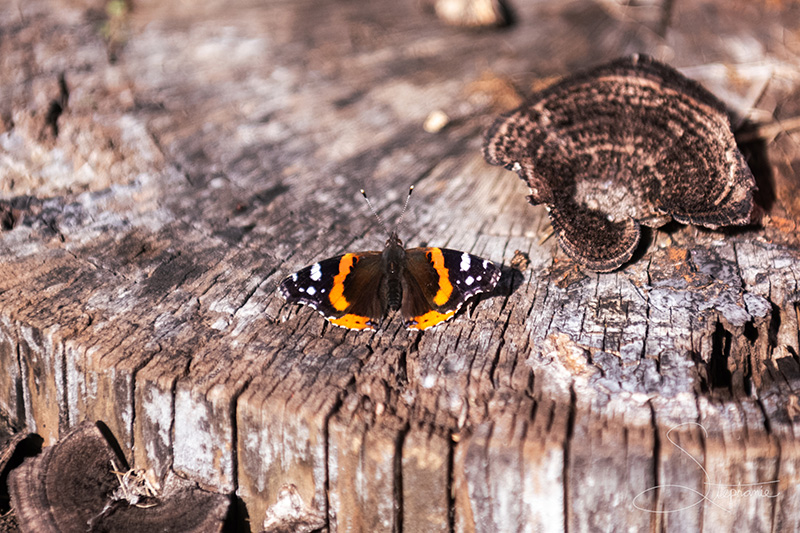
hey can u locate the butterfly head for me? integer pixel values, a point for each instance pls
(393, 240)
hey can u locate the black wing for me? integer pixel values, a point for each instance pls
(345, 289)
(437, 281)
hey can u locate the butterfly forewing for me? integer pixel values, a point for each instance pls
(437, 281)
(362, 288)
(345, 295)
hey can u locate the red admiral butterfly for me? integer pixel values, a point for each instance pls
(427, 285)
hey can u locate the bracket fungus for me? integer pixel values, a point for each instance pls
(629, 142)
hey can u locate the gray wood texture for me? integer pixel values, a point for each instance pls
(163, 167)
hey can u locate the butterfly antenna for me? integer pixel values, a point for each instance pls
(372, 208)
(405, 206)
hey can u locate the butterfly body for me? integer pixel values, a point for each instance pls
(356, 290)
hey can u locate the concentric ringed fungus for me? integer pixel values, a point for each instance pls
(627, 143)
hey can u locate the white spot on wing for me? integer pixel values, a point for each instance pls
(485, 264)
(470, 280)
(316, 272)
(465, 262)
(311, 291)
(294, 277)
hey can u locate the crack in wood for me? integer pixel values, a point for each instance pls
(56, 108)
(566, 476)
(719, 375)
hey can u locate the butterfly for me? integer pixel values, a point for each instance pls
(356, 290)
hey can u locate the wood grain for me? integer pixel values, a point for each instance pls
(203, 153)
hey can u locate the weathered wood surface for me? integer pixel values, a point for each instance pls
(162, 169)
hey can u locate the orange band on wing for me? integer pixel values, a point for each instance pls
(338, 301)
(445, 287)
(352, 321)
(431, 318)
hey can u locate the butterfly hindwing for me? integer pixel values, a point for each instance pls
(437, 281)
(344, 289)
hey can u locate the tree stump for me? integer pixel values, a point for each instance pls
(163, 167)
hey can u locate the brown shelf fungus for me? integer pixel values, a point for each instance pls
(627, 143)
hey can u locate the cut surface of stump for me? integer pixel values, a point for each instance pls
(182, 506)
(204, 153)
(68, 484)
(75, 485)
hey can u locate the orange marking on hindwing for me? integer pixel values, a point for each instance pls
(338, 301)
(431, 318)
(352, 321)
